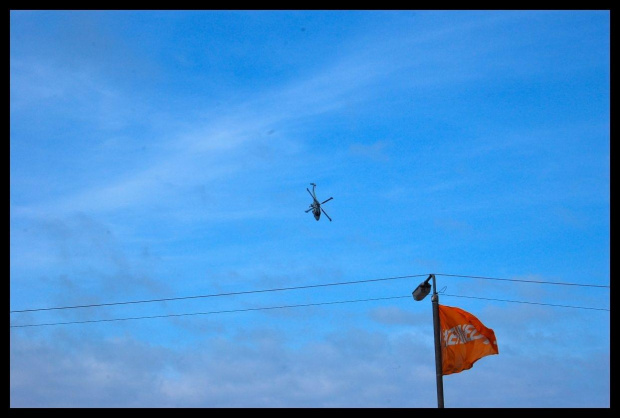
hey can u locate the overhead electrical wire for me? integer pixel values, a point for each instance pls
(211, 312)
(530, 303)
(284, 307)
(524, 281)
(219, 294)
(293, 288)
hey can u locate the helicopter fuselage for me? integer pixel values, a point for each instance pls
(316, 211)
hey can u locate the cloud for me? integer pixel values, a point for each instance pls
(259, 372)
(81, 260)
(352, 367)
(214, 147)
(393, 315)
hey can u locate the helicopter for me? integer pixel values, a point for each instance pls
(315, 206)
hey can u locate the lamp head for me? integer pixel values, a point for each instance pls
(421, 291)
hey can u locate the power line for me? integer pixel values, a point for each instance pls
(211, 312)
(284, 307)
(218, 294)
(293, 288)
(524, 281)
(530, 303)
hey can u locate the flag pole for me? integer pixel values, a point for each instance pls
(437, 329)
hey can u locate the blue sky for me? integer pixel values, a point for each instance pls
(164, 154)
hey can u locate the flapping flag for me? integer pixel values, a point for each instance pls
(464, 339)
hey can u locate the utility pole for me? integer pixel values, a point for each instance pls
(438, 359)
(418, 294)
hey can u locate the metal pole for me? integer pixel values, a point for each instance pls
(438, 360)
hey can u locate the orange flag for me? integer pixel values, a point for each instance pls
(464, 339)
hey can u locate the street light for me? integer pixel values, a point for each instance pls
(422, 290)
(420, 293)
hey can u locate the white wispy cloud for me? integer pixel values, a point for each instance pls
(261, 370)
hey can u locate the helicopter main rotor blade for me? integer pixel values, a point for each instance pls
(309, 209)
(330, 219)
(313, 198)
(327, 200)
